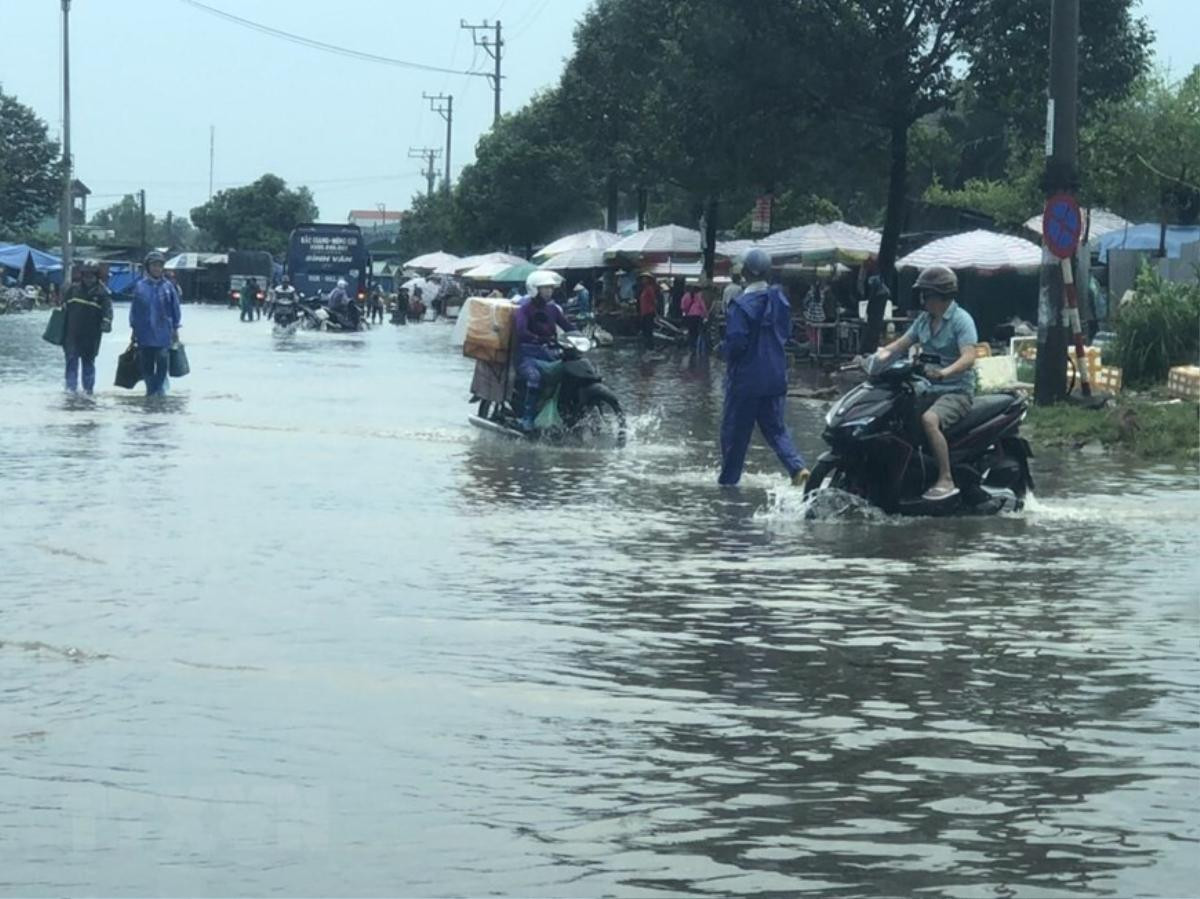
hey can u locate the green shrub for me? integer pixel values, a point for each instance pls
(1159, 328)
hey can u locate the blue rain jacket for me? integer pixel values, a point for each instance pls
(154, 313)
(757, 326)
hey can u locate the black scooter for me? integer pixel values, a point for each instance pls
(878, 450)
(588, 410)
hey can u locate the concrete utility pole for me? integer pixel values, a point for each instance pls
(495, 49)
(443, 105)
(429, 154)
(1061, 176)
(212, 142)
(142, 207)
(65, 215)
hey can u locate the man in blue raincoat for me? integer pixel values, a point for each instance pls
(758, 324)
(154, 317)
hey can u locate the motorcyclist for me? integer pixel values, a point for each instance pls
(946, 330)
(758, 325)
(283, 294)
(536, 324)
(341, 307)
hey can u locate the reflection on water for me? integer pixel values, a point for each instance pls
(296, 627)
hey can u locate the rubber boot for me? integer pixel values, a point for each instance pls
(530, 408)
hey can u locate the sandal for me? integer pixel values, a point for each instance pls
(936, 494)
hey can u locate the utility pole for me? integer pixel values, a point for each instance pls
(443, 105)
(1061, 176)
(212, 142)
(142, 206)
(495, 49)
(64, 227)
(170, 229)
(429, 154)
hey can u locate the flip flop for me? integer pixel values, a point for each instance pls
(936, 494)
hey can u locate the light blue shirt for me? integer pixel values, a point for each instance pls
(957, 332)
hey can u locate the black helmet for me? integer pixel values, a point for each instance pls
(756, 263)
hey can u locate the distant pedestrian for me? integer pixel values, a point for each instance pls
(583, 302)
(759, 324)
(675, 304)
(732, 291)
(375, 304)
(154, 316)
(88, 312)
(814, 314)
(647, 308)
(259, 297)
(249, 289)
(694, 314)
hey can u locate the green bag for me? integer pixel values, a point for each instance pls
(56, 328)
(129, 369)
(177, 362)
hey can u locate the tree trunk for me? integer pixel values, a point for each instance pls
(892, 223)
(613, 197)
(710, 236)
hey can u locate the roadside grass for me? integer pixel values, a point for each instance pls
(1150, 428)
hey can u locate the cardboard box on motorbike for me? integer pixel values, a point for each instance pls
(485, 326)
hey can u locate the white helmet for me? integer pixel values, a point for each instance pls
(542, 278)
(342, 283)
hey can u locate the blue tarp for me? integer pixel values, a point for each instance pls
(1146, 237)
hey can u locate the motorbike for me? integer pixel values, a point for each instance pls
(315, 316)
(877, 447)
(286, 314)
(586, 409)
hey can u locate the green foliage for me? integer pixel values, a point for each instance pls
(1152, 430)
(429, 226)
(30, 170)
(259, 216)
(525, 183)
(124, 218)
(1009, 201)
(1159, 328)
(1141, 156)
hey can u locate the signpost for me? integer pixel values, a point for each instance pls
(760, 222)
(1062, 226)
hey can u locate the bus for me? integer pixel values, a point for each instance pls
(318, 255)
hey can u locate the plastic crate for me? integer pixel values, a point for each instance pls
(1183, 381)
(1108, 378)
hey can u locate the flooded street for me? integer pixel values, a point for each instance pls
(297, 628)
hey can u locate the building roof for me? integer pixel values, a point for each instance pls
(375, 215)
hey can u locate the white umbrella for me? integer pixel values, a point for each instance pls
(1103, 222)
(581, 258)
(734, 249)
(593, 239)
(984, 251)
(413, 283)
(487, 271)
(431, 261)
(469, 262)
(823, 243)
(665, 240)
(188, 261)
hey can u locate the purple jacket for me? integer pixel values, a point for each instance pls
(536, 325)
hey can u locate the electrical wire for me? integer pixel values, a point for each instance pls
(321, 45)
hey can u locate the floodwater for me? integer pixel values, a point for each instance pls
(296, 628)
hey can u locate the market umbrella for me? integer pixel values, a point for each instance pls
(734, 249)
(592, 239)
(469, 263)
(827, 242)
(581, 258)
(491, 269)
(515, 274)
(665, 241)
(982, 251)
(1147, 237)
(189, 261)
(428, 262)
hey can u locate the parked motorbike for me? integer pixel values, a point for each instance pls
(878, 452)
(587, 410)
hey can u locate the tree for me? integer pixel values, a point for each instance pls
(124, 218)
(525, 184)
(901, 52)
(30, 169)
(259, 216)
(1141, 155)
(428, 226)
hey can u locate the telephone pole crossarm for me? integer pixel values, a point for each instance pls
(493, 45)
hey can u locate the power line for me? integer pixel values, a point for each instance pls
(328, 48)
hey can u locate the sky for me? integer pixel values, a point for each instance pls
(148, 78)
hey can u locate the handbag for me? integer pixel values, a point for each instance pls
(129, 370)
(177, 362)
(56, 328)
